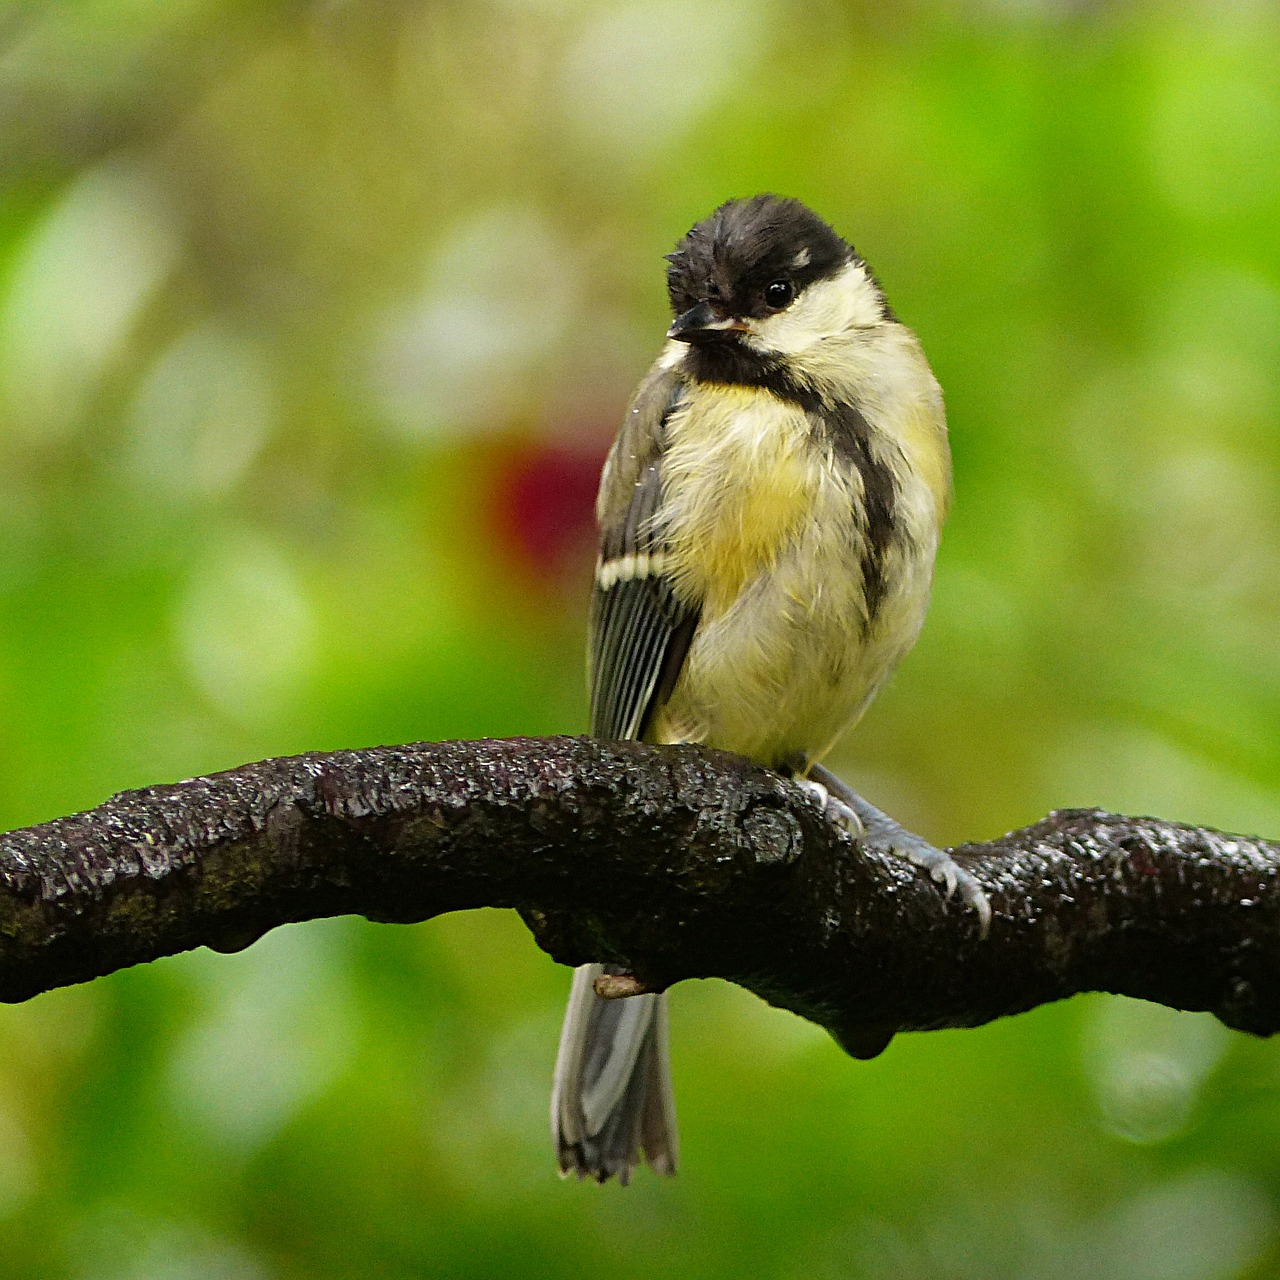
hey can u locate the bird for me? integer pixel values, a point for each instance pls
(769, 515)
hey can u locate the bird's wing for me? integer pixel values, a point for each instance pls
(640, 629)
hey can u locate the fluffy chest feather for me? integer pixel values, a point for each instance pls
(771, 531)
(742, 478)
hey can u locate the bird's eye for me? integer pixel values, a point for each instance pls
(778, 294)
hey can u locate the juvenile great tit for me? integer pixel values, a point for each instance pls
(769, 515)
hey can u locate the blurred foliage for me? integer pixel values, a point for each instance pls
(315, 320)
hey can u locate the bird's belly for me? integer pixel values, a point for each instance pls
(794, 661)
(767, 538)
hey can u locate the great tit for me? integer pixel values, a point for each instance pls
(769, 514)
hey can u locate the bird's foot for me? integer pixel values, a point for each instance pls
(880, 831)
(943, 869)
(833, 808)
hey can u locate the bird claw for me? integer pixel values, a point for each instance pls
(832, 807)
(877, 830)
(946, 875)
(943, 869)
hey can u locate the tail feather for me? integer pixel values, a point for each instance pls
(611, 1102)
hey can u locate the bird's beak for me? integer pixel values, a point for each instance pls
(702, 324)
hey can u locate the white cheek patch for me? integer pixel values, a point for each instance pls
(672, 354)
(824, 310)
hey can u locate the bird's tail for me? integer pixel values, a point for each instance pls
(612, 1101)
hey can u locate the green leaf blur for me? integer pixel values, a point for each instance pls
(315, 321)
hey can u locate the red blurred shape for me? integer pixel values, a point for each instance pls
(544, 503)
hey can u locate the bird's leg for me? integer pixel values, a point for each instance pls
(881, 832)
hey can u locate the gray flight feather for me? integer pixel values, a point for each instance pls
(639, 629)
(612, 1103)
(612, 1100)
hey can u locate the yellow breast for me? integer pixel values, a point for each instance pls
(739, 486)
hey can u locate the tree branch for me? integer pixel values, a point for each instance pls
(676, 862)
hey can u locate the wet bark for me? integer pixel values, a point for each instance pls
(676, 862)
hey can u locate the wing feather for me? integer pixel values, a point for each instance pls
(640, 629)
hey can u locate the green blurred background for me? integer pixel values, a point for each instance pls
(315, 320)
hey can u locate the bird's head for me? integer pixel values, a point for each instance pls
(770, 274)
